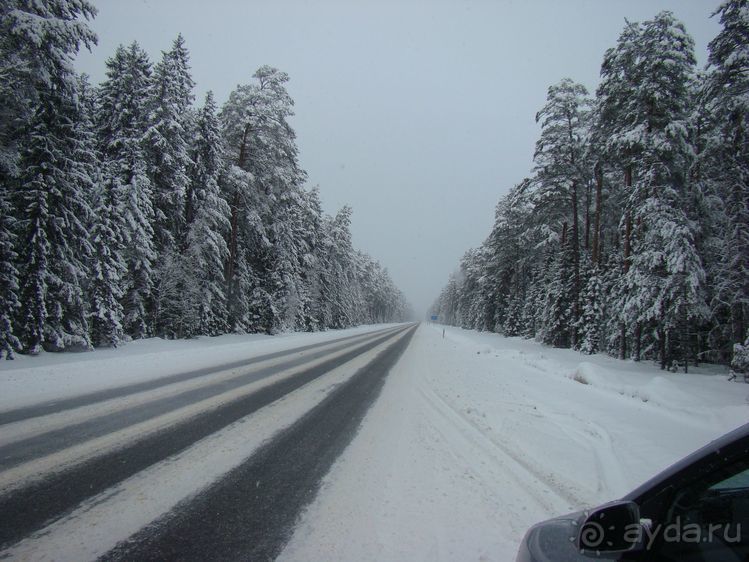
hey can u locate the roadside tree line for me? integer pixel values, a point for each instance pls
(631, 235)
(126, 211)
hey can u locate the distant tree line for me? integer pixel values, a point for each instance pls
(631, 236)
(128, 212)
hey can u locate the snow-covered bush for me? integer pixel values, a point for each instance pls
(740, 362)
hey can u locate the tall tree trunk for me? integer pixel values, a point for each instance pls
(587, 216)
(696, 348)
(739, 202)
(576, 264)
(627, 222)
(189, 217)
(686, 340)
(662, 342)
(234, 235)
(627, 251)
(231, 261)
(597, 216)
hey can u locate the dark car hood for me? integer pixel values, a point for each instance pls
(553, 540)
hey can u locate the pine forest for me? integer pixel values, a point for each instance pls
(631, 234)
(128, 209)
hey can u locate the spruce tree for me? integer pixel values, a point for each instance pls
(558, 321)
(121, 124)
(591, 324)
(106, 266)
(727, 159)
(9, 303)
(53, 180)
(166, 143)
(107, 270)
(54, 247)
(207, 221)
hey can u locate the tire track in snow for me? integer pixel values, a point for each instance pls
(36, 504)
(501, 453)
(44, 439)
(56, 406)
(594, 437)
(255, 506)
(99, 523)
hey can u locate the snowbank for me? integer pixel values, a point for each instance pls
(28, 380)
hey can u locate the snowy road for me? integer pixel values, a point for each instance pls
(83, 473)
(476, 437)
(470, 439)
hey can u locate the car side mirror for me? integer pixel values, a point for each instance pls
(611, 530)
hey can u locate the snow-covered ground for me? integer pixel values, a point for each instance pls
(48, 376)
(476, 437)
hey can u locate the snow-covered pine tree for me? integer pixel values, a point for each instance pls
(469, 285)
(17, 94)
(310, 222)
(166, 144)
(32, 318)
(592, 316)
(448, 301)
(666, 277)
(282, 179)
(472, 303)
(726, 96)
(558, 322)
(644, 108)
(9, 302)
(666, 280)
(135, 204)
(54, 243)
(386, 303)
(289, 245)
(261, 143)
(506, 259)
(618, 131)
(376, 288)
(740, 359)
(513, 319)
(106, 267)
(533, 305)
(207, 221)
(176, 290)
(107, 270)
(53, 181)
(121, 125)
(342, 292)
(239, 275)
(562, 170)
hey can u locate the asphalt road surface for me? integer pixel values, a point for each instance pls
(56, 455)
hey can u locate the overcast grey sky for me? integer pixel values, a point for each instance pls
(418, 114)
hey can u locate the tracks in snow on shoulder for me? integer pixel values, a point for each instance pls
(526, 475)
